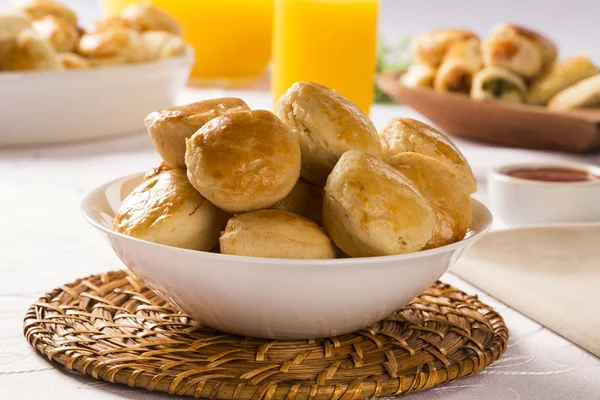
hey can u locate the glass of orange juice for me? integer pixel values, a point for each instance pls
(231, 38)
(331, 42)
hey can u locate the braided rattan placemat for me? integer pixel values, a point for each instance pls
(112, 327)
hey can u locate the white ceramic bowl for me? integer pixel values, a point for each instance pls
(59, 106)
(522, 202)
(276, 298)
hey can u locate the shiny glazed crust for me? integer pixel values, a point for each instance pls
(243, 161)
(327, 125)
(275, 234)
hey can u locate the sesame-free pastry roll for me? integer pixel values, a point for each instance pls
(37, 9)
(430, 47)
(583, 94)
(497, 83)
(419, 75)
(547, 48)
(560, 75)
(461, 62)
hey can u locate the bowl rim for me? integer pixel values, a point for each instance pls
(498, 173)
(486, 225)
(188, 56)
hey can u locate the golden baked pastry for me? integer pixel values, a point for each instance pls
(11, 24)
(371, 209)
(430, 47)
(110, 23)
(60, 33)
(511, 50)
(583, 94)
(166, 209)
(106, 61)
(419, 75)
(72, 61)
(500, 84)
(327, 125)
(443, 191)
(31, 52)
(152, 18)
(461, 62)
(406, 134)
(37, 9)
(546, 46)
(243, 161)
(275, 234)
(162, 167)
(559, 76)
(161, 44)
(305, 199)
(169, 128)
(120, 43)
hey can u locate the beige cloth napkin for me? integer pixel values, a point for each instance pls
(551, 274)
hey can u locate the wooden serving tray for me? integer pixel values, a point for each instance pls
(525, 126)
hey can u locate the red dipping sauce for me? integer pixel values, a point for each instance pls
(552, 174)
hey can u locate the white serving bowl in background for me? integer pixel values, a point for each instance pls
(523, 202)
(276, 298)
(42, 107)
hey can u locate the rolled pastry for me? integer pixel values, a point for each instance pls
(37, 9)
(72, 61)
(496, 83)
(275, 234)
(60, 33)
(152, 18)
(583, 94)
(547, 48)
(559, 76)
(461, 62)
(515, 52)
(430, 47)
(32, 52)
(409, 135)
(419, 75)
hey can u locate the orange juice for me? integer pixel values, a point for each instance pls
(331, 42)
(232, 38)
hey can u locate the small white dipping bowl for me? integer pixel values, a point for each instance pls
(42, 107)
(276, 298)
(521, 202)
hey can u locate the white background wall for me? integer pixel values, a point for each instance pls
(573, 24)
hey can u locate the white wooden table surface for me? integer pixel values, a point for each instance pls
(44, 242)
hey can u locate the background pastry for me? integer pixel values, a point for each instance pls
(169, 128)
(406, 134)
(166, 209)
(72, 61)
(419, 75)
(161, 44)
(119, 43)
(243, 161)
(152, 18)
(371, 209)
(513, 51)
(443, 191)
(112, 22)
(60, 33)
(430, 47)
(327, 125)
(305, 199)
(31, 52)
(11, 24)
(497, 83)
(585, 93)
(559, 76)
(548, 49)
(37, 9)
(461, 62)
(275, 234)
(162, 167)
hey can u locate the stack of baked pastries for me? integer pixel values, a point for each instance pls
(513, 65)
(45, 35)
(313, 180)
